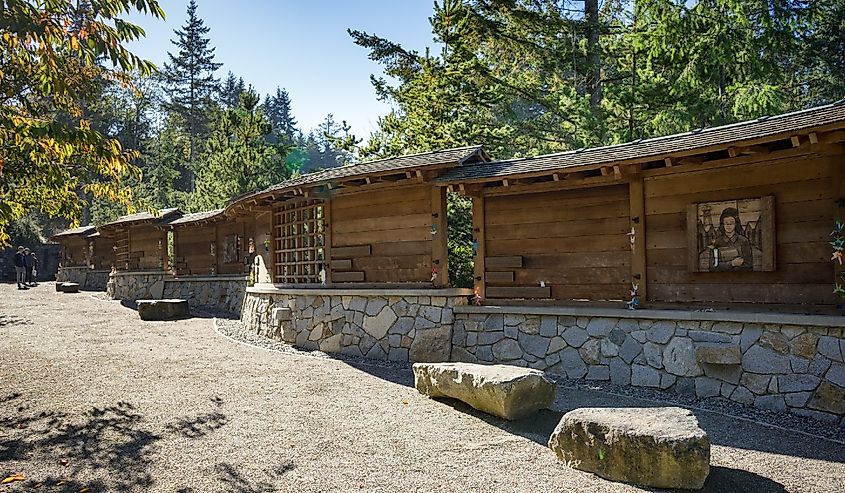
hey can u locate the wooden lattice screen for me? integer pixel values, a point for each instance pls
(300, 238)
(121, 249)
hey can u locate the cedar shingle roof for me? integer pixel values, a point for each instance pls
(456, 156)
(657, 147)
(85, 231)
(142, 216)
(193, 217)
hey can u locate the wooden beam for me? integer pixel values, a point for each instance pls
(328, 251)
(604, 171)
(351, 276)
(344, 264)
(691, 160)
(479, 246)
(796, 140)
(636, 200)
(505, 183)
(501, 277)
(669, 161)
(503, 263)
(617, 171)
(832, 137)
(556, 176)
(814, 138)
(519, 292)
(439, 248)
(351, 251)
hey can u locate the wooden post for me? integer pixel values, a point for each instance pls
(478, 236)
(838, 182)
(439, 249)
(327, 240)
(216, 249)
(638, 252)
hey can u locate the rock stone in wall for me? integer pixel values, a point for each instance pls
(707, 387)
(656, 447)
(630, 349)
(770, 403)
(575, 336)
(829, 397)
(755, 383)
(717, 353)
(570, 360)
(653, 354)
(743, 396)
(759, 359)
(591, 351)
(797, 383)
(507, 350)
(378, 325)
(536, 345)
(804, 345)
(829, 347)
(600, 327)
(620, 372)
(679, 358)
(431, 345)
(644, 376)
(661, 331)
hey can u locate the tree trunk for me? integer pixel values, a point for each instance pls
(591, 16)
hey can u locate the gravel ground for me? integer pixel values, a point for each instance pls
(92, 399)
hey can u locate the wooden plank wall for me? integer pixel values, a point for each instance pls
(575, 241)
(802, 187)
(193, 248)
(395, 223)
(103, 258)
(147, 248)
(76, 252)
(233, 228)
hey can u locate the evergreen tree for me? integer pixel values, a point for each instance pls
(238, 158)
(191, 84)
(230, 91)
(278, 110)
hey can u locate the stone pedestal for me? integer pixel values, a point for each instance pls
(163, 309)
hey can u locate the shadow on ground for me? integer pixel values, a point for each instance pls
(113, 445)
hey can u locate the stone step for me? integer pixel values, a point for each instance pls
(68, 287)
(509, 392)
(661, 447)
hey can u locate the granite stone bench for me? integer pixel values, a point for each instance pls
(661, 447)
(509, 392)
(163, 309)
(68, 287)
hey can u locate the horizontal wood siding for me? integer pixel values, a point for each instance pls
(396, 226)
(802, 187)
(76, 252)
(147, 248)
(194, 253)
(574, 241)
(103, 258)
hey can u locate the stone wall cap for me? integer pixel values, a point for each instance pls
(652, 314)
(323, 290)
(227, 277)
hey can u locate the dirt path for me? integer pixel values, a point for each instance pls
(91, 397)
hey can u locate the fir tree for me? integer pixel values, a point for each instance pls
(191, 83)
(230, 91)
(278, 111)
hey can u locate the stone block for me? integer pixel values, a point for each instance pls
(431, 345)
(279, 315)
(484, 353)
(639, 335)
(707, 387)
(69, 287)
(654, 447)
(819, 365)
(617, 336)
(630, 349)
(749, 336)
(620, 372)
(708, 336)
(797, 399)
(536, 345)
(163, 309)
(797, 383)
(799, 364)
(728, 327)
(531, 326)
(770, 403)
(759, 359)
(575, 336)
(590, 351)
(758, 384)
(548, 326)
(829, 398)
(511, 332)
(667, 380)
(377, 326)
(716, 353)
(829, 347)
(653, 354)
(775, 341)
(608, 348)
(726, 373)
(644, 376)
(513, 319)
(556, 344)
(570, 360)
(743, 396)
(836, 374)
(661, 331)
(679, 358)
(507, 350)
(600, 327)
(508, 392)
(598, 372)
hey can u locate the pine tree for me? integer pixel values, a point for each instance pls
(230, 91)
(191, 83)
(278, 111)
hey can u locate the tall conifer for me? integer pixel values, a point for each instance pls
(191, 83)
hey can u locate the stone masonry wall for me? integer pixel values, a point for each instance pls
(774, 367)
(86, 278)
(396, 328)
(221, 294)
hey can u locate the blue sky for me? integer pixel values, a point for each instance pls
(301, 46)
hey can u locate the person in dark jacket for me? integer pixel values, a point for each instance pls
(27, 265)
(34, 270)
(20, 268)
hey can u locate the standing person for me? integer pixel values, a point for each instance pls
(20, 272)
(27, 265)
(34, 269)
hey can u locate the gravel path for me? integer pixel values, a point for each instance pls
(91, 397)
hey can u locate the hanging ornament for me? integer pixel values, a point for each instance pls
(633, 237)
(433, 274)
(474, 247)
